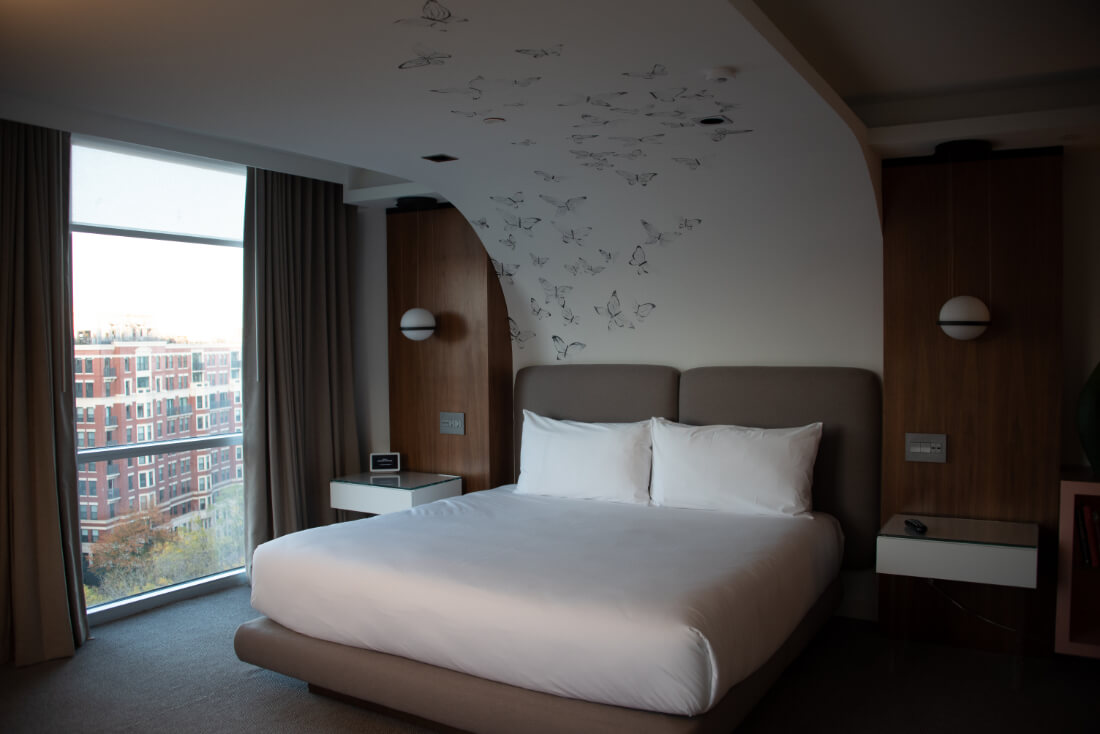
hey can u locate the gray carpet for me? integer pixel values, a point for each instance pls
(173, 669)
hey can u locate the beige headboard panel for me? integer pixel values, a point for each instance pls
(848, 401)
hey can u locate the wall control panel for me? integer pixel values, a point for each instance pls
(931, 447)
(453, 423)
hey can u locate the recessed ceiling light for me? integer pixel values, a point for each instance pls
(712, 120)
(440, 158)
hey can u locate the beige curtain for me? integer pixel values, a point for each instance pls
(42, 613)
(299, 427)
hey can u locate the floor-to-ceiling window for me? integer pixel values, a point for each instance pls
(157, 311)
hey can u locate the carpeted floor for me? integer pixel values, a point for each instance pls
(173, 669)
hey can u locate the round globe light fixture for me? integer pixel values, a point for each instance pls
(964, 318)
(417, 324)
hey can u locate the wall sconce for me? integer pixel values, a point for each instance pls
(417, 324)
(964, 318)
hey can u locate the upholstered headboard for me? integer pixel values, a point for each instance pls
(847, 400)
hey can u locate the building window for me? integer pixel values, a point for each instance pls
(89, 388)
(78, 389)
(88, 364)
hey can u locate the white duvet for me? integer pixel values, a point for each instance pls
(653, 608)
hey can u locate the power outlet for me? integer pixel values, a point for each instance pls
(930, 447)
(452, 423)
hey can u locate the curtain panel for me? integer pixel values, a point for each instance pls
(42, 614)
(299, 428)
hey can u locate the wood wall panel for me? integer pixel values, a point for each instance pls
(435, 261)
(989, 228)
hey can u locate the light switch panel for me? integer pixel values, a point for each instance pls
(453, 423)
(930, 447)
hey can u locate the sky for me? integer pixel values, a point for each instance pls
(177, 289)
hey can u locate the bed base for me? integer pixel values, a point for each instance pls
(457, 701)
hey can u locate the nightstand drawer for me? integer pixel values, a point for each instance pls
(975, 562)
(378, 494)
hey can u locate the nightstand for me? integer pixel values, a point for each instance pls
(378, 494)
(959, 549)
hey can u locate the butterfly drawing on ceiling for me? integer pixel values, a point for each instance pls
(686, 223)
(539, 312)
(555, 292)
(614, 313)
(565, 349)
(724, 107)
(719, 134)
(518, 337)
(644, 140)
(655, 236)
(638, 260)
(426, 58)
(513, 201)
(568, 317)
(675, 114)
(691, 163)
(590, 269)
(603, 100)
(632, 155)
(581, 139)
(471, 90)
(474, 113)
(433, 15)
(593, 121)
(525, 142)
(675, 124)
(518, 223)
(702, 94)
(525, 82)
(537, 261)
(625, 110)
(480, 223)
(548, 177)
(668, 95)
(569, 206)
(541, 53)
(509, 241)
(572, 268)
(656, 71)
(504, 271)
(641, 179)
(641, 310)
(573, 235)
(608, 257)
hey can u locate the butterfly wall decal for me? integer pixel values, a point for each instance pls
(525, 82)
(564, 349)
(590, 269)
(548, 177)
(644, 140)
(691, 163)
(656, 71)
(520, 224)
(641, 179)
(614, 313)
(480, 223)
(554, 292)
(509, 241)
(581, 139)
(568, 317)
(518, 337)
(425, 58)
(525, 142)
(513, 201)
(540, 53)
(593, 121)
(471, 90)
(686, 223)
(538, 311)
(433, 15)
(569, 206)
(504, 271)
(572, 235)
(655, 236)
(632, 155)
(721, 133)
(643, 309)
(537, 261)
(608, 257)
(668, 95)
(638, 260)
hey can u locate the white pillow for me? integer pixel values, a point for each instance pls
(605, 461)
(733, 468)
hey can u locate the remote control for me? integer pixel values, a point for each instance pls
(916, 526)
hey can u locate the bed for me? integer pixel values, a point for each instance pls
(845, 494)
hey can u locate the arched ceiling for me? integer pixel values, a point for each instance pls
(616, 221)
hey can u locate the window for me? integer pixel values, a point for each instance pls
(196, 207)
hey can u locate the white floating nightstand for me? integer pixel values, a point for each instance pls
(378, 494)
(960, 549)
